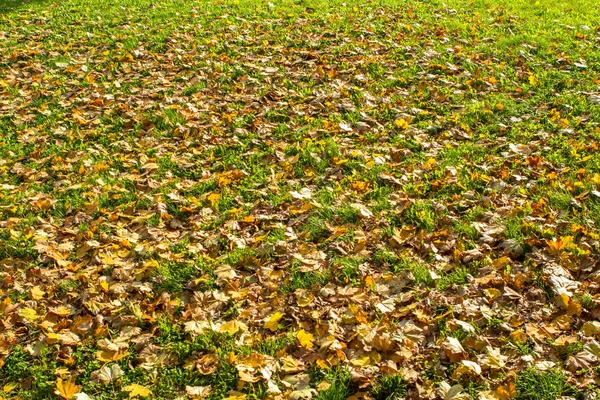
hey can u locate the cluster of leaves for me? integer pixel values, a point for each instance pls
(308, 199)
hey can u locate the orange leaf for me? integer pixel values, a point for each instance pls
(506, 392)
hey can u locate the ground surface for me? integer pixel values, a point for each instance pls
(303, 199)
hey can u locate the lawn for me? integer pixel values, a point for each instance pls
(299, 199)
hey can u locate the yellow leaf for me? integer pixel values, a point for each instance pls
(10, 386)
(591, 328)
(492, 293)
(231, 357)
(532, 80)
(563, 300)
(223, 181)
(62, 311)
(361, 361)
(304, 298)
(214, 198)
(500, 262)
(429, 164)
(401, 123)
(233, 395)
(555, 246)
(43, 204)
(52, 338)
(255, 360)
(66, 389)
(290, 365)
(37, 293)
(273, 321)
(109, 355)
(28, 313)
(574, 308)
(518, 336)
(340, 161)
(360, 186)
(232, 327)
(305, 339)
(505, 392)
(137, 390)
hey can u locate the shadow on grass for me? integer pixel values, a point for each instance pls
(7, 6)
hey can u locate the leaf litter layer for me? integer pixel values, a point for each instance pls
(299, 200)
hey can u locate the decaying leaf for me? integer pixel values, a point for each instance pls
(107, 373)
(453, 349)
(198, 392)
(447, 392)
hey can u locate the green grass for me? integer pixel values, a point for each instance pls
(339, 389)
(533, 384)
(390, 387)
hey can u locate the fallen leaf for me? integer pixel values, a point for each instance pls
(272, 323)
(447, 392)
(233, 327)
(66, 389)
(107, 374)
(305, 339)
(454, 350)
(198, 392)
(136, 390)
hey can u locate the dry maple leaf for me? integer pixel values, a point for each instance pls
(136, 390)
(305, 339)
(232, 327)
(29, 313)
(593, 348)
(494, 358)
(453, 349)
(581, 361)
(66, 389)
(590, 328)
(107, 374)
(198, 392)
(447, 392)
(505, 392)
(110, 355)
(473, 366)
(303, 394)
(207, 364)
